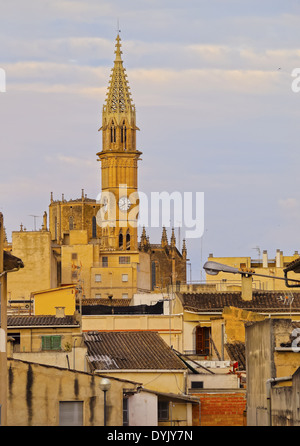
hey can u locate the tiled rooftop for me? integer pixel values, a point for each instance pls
(26, 321)
(11, 262)
(143, 350)
(236, 352)
(262, 301)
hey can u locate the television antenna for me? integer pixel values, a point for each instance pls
(34, 218)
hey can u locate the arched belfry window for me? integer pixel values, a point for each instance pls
(128, 241)
(112, 132)
(121, 240)
(55, 228)
(124, 134)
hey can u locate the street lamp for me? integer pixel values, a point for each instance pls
(214, 268)
(105, 386)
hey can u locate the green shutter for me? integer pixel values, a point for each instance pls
(51, 342)
(46, 342)
(55, 342)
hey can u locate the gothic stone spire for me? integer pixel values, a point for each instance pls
(118, 116)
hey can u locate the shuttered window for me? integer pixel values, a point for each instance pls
(51, 342)
(71, 413)
(202, 340)
(163, 410)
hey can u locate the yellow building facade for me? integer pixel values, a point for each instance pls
(48, 301)
(264, 265)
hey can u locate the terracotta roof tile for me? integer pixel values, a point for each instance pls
(25, 321)
(236, 352)
(11, 262)
(262, 301)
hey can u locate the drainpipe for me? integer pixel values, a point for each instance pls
(10, 271)
(269, 384)
(74, 353)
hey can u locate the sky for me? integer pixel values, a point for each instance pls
(216, 104)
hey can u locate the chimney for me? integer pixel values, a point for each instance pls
(60, 312)
(246, 286)
(265, 258)
(278, 258)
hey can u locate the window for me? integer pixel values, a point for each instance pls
(71, 413)
(104, 262)
(125, 412)
(123, 133)
(98, 278)
(120, 240)
(124, 260)
(74, 275)
(153, 275)
(74, 255)
(113, 132)
(124, 277)
(202, 340)
(51, 342)
(16, 342)
(71, 223)
(124, 296)
(163, 410)
(128, 241)
(197, 384)
(55, 228)
(97, 296)
(94, 227)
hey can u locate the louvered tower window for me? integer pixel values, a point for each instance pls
(128, 241)
(112, 132)
(124, 134)
(120, 240)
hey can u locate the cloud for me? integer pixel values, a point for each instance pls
(289, 204)
(73, 161)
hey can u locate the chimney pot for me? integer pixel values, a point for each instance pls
(265, 259)
(60, 312)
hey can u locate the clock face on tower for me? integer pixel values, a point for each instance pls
(124, 203)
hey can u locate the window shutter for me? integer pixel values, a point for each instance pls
(55, 342)
(46, 343)
(51, 342)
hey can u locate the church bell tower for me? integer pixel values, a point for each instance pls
(119, 163)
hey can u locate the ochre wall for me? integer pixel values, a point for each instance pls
(34, 248)
(34, 393)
